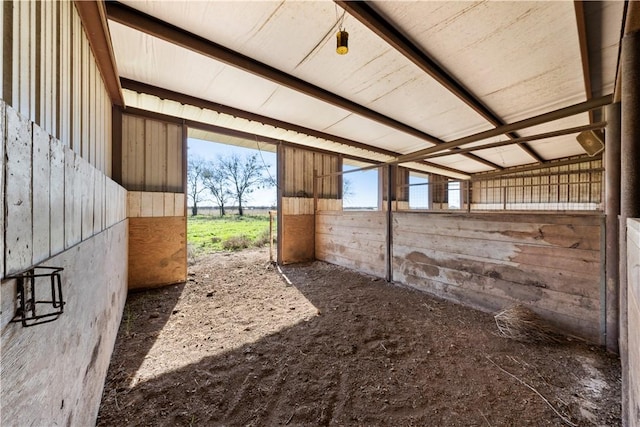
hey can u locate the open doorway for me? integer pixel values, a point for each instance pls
(231, 196)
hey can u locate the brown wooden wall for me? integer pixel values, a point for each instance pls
(296, 242)
(550, 263)
(633, 310)
(152, 155)
(352, 239)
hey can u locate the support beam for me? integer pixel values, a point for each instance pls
(584, 50)
(389, 33)
(172, 34)
(525, 168)
(533, 121)
(612, 210)
(629, 189)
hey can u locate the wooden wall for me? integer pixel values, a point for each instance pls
(60, 208)
(550, 263)
(157, 239)
(633, 311)
(152, 163)
(296, 212)
(352, 239)
(53, 374)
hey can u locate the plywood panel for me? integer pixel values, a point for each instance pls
(18, 221)
(56, 196)
(298, 238)
(40, 185)
(633, 314)
(157, 251)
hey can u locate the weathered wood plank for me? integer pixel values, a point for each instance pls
(98, 201)
(169, 202)
(86, 178)
(174, 154)
(368, 267)
(18, 220)
(157, 251)
(72, 198)
(157, 204)
(633, 310)
(146, 204)
(56, 196)
(134, 201)
(40, 185)
(179, 209)
(369, 248)
(2, 171)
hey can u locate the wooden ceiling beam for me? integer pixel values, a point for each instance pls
(180, 37)
(389, 33)
(584, 50)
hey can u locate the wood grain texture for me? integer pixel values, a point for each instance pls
(550, 263)
(56, 196)
(66, 360)
(41, 203)
(2, 171)
(298, 238)
(18, 220)
(633, 313)
(352, 239)
(157, 251)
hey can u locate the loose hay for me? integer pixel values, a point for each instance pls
(522, 324)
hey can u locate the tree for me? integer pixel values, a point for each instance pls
(216, 181)
(245, 176)
(195, 169)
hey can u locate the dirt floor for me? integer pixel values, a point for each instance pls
(238, 345)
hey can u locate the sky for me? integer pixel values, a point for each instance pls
(363, 184)
(361, 190)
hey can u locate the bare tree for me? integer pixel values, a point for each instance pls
(195, 188)
(245, 176)
(215, 179)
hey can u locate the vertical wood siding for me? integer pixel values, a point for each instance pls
(54, 198)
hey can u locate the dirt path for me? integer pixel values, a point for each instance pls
(237, 345)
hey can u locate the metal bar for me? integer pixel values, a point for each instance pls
(525, 168)
(389, 33)
(532, 121)
(539, 136)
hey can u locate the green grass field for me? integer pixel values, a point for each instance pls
(206, 234)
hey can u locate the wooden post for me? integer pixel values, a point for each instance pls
(315, 191)
(271, 235)
(389, 232)
(612, 210)
(629, 189)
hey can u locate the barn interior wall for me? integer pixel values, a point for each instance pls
(633, 307)
(152, 164)
(550, 263)
(59, 208)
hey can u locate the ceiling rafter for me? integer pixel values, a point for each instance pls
(584, 51)
(389, 33)
(160, 29)
(225, 109)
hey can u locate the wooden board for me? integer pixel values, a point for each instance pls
(56, 196)
(18, 220)
(157, 251)
(633, 313)
(298, 238)
(66, 360)
(353, 240)
(2, 170)
(40, 186)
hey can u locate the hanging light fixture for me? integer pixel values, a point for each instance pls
(342, 42)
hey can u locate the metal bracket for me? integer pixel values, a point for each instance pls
(32, 311)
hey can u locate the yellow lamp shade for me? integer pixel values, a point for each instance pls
(342, 42)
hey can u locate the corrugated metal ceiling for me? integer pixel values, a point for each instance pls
(519, 59)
